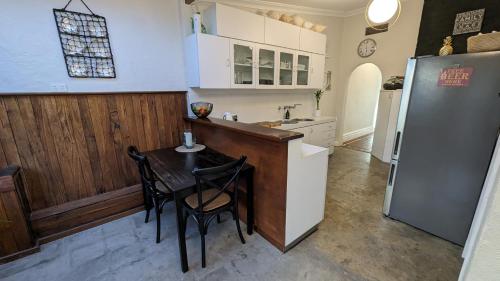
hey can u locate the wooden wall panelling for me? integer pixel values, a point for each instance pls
(91, 144)
(73, 147)
(16, 236)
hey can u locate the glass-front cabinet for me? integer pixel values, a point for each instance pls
(303, 70)
(266, 69)
(286, 69)
(242, 68)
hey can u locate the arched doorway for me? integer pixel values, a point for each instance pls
(363, 91)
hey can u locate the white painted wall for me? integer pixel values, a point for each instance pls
(482, 250)
(393, 49)
(145, 39)
(362, 96)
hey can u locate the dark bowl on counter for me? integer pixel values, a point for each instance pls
(201, 109)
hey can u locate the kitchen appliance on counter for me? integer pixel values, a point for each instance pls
(230, 116)
(447, 129)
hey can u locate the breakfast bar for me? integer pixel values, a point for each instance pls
(289, 187)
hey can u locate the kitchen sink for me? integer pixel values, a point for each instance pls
(272, 124)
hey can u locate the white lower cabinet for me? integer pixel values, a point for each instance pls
(320, 135)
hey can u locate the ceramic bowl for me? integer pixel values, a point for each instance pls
(286, 18)
(298, 20)
(201, 109)
(308, 25)
(274, 15)
(319, 27)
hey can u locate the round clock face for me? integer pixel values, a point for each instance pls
(367, 47)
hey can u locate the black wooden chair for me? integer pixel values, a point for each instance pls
(214, 197)
(155, 192)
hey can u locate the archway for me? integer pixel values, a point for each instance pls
(361, 104)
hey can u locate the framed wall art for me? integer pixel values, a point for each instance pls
(85, 43)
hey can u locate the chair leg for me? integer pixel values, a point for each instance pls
(158, 224)
(218, 218)
(186, 217)
(146, 220)
(147, 203)
(201, 228)
(237, 218)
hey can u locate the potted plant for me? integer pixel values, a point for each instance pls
(317, 96)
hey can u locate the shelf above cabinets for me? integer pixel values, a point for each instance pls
(234, 23)
(281, 34)
(230, 22)
(220, 63)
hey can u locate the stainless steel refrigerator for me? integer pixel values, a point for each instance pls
(447, 129)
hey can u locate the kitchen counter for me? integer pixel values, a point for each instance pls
(289, 178)
(272, 134)
(317, 120)
(300, 124)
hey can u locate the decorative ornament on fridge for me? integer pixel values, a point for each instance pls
(447, 48)
(85, 43)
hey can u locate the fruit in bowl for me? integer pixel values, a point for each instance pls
(201, 109)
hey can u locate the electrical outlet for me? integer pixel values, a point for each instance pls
(59, 87)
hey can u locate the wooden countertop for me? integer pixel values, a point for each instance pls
(271, 134)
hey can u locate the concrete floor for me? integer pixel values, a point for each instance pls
(355, 242)
(363, 144)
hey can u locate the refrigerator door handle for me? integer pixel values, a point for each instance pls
(390, 187)
(396, 143)
(391, 175)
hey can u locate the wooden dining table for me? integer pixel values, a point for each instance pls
(175, 169)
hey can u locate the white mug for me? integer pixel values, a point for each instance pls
(230, 116)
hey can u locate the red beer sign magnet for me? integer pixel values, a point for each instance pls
(455, 77)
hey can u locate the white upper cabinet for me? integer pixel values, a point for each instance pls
(243, 64)
(287, 60)
(234, 23)
(246, 50)
(303, 69)
(282, 34)
(313, 42)
(317, 71)
(208, 61)
(267, 67)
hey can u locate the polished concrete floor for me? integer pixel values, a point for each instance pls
(354, 242)
(363, 143)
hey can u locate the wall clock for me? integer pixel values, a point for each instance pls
(367, 48)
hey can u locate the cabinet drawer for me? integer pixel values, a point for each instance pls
(325, 127)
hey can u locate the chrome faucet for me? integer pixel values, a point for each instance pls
(286, 110)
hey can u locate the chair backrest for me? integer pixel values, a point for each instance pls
(230, 171)
(148, 178)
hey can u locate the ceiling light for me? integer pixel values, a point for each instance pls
(382, 11)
